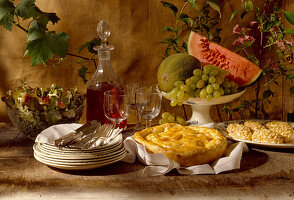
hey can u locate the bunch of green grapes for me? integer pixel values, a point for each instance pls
(170, 118)
(206, 83)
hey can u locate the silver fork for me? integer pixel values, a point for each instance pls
(103, 131)
(109, 136)
(77, 135)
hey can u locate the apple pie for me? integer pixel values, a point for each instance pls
(187, 145)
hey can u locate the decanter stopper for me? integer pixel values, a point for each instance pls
(103, 33)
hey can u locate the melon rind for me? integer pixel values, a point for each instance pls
(242, 71)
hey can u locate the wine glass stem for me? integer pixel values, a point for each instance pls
(148, 123)
(115, 123)
(139, 118)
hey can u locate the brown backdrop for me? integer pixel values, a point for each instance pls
(136, 30)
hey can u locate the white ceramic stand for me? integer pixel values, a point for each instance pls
(200, 114)
(201, 107)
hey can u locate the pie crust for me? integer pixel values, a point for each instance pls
(187, 145)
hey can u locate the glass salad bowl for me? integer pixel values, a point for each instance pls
(32, 110)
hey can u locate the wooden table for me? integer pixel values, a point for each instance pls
(264, 174)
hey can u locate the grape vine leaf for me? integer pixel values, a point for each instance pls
(6, 14)
(82, 73)
(90, 45)
(26, 9)
(52, 17)
(43, 48)
(36, 31)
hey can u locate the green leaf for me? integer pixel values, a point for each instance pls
(183, 15)
(176, 49)
(171, 41)
(6, 14)
(169, 29)
(85, 45)
(186, 19)
(243, 14)
(185, 46)
(241, 106)
(280, 53)
(248, 5)
(36, 31)
(266, 94)
(275, 82)
(292, 90)
(210, 36)
(167, 52)
(52, 17)
(289, 17)
(234, 14)
(82, 73)
(90, 45)
(27, 9)
(43, 48)
(192, 2)
(290, 31)
(290, 76)
(215, 5)
(171, 6)
(43, 19)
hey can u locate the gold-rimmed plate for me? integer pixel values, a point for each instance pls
(80, 166)
(80, 161)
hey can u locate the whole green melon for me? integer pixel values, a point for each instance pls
(176, 67)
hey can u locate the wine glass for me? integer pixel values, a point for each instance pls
(116, 106)
(148, 104)
(132, 88)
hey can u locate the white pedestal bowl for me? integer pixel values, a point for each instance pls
(201, 107)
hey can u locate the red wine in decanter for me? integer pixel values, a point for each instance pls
(95, 97)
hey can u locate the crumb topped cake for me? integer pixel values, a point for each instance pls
(187, 145)
(283, 129)
(239, 131)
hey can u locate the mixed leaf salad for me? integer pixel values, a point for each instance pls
(33, 109)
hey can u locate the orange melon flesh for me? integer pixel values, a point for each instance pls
(242, 71)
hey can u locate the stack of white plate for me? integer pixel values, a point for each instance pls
(78, 159)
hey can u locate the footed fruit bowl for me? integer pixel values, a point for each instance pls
(31, 110)
(201, 107)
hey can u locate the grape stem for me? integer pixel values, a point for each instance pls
(19, 26)
(177, 21)
(78, 56)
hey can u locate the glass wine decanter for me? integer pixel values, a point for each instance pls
(104, 78)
